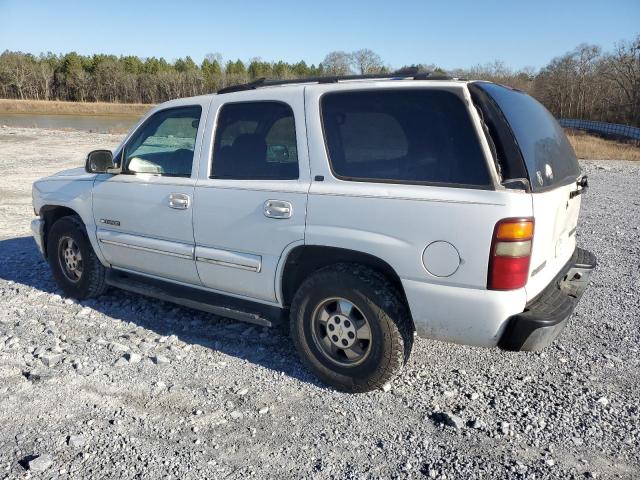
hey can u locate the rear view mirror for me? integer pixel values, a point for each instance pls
(99, 161)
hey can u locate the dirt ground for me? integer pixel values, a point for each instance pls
(127, 387)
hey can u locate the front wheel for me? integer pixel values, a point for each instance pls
(74, 264)
(351, 327)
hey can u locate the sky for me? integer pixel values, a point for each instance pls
(447, 33)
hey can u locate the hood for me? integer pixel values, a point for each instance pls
(78, 173)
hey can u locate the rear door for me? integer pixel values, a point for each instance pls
(553, 171)
(251, 199)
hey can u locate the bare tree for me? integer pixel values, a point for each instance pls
(337, 63)
(623, 69)
(575, 85)
(367, 61)
(498, 72)
(16, 71)
(45, 78)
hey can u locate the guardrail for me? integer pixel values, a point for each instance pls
(615, 130)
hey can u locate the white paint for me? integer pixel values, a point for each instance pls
(226, 222)
(554, 239)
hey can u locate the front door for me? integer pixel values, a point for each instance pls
(250, 201)
(144, 214)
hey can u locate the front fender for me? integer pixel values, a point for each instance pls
(74, 194)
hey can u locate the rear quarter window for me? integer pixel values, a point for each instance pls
(548, 155)
(418, 136)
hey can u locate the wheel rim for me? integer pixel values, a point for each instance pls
(70, 259)
(341, 332)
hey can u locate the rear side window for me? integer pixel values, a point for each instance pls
(255, 141)
(548, 155)
(402, 136)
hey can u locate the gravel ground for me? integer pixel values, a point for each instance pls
(124, 386)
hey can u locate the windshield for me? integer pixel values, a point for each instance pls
(549, 158)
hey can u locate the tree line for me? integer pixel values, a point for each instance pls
(584, 83)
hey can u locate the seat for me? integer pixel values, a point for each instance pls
(247, 157)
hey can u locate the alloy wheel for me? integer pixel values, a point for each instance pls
(342, 332)
(70, 259)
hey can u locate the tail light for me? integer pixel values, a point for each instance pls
(510, 254)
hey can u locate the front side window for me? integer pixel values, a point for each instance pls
(255, 141)
(402, 136)
(164, 145)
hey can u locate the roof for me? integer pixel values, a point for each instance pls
(405, 74)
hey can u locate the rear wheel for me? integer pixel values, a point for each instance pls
(74, 264)
(351, 327)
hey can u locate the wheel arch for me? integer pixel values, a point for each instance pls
(51, 214)
(303, 260)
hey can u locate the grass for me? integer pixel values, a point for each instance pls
(54, 107)
(597, 148)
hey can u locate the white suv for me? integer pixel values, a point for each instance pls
(366, 209)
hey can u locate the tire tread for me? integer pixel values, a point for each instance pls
(96, 283)
(392, 315)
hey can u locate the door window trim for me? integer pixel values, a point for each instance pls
(123, 148)
(210, 174)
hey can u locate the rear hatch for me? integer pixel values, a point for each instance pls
(556, 217)
(549, 164)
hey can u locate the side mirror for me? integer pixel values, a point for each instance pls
(99, 161)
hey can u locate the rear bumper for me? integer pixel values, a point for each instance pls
(546, 315)
(468, 316)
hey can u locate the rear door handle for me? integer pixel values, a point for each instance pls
(278, 209)
(179, 201)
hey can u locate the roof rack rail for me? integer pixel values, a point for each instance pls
(405, 73)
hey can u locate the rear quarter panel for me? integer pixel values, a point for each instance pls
(396, 222)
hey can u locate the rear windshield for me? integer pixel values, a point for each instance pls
(548, 156)
(402, 136)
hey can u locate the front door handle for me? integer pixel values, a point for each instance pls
(179, 201)
(278, 209)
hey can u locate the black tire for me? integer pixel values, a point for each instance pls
(391, 328)
(91, 282)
